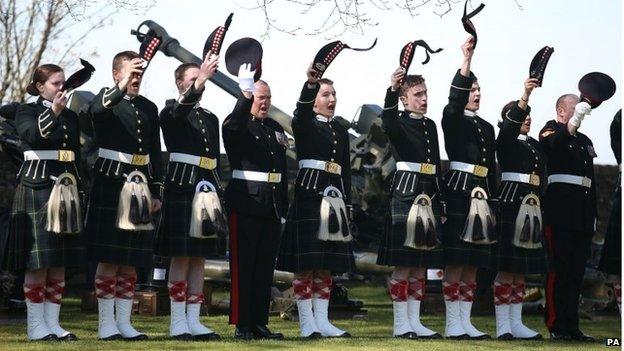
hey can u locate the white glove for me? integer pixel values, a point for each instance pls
(246, 78)
(580, 111)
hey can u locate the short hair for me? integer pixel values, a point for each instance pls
(123, 56)
(562, 99)
(325, 81)
(181, 70)
(262, 82)
(410, 81)
(41, 75)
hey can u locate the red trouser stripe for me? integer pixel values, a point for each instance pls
(234, 305)
(550, 284)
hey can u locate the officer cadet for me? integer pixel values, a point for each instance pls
(256, 200)
(611, 257)
(570, 209)
(467, 186)
(46, 218)
(317, 240)
(519, 250)
(125, 194)
(410, 240)
(192, 187)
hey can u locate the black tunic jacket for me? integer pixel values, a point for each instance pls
(255, 145)
(127, 125)
(519, 156)
(190, 129)
(323, 140)
(41, 130)
(568, 206)
(468, 139)
(412, 140)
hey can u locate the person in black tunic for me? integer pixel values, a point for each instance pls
(611, 258)
(316, 241)
(570, 209)
(410, 240)
(191, 135)
(51, 140)
(467, 187)
(519, 250)
(126, 130)
(256, 200)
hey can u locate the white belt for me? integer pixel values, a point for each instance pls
(477, 170)
(257, 176)
(58, 155)
(200, 161)
(424, 168)
(532, 179)
(570, 179)
(136, 159)
(326, 166)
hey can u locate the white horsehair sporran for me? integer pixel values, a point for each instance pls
(421, 225)
(528, 225)
(135, 203)
(334, 224)
(481, 223)
(64, 215)
(207, 216)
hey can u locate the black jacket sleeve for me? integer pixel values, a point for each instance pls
(303, 117)
(236, 123)
(105, 100)
(390, 113)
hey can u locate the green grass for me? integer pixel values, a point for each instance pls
(370, 334)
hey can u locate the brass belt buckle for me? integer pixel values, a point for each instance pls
(275, 177)
(207, 163)
(139, 160)
(332, 167)
(66, 156)
(534, 179)
(480, 171)
(427, 168)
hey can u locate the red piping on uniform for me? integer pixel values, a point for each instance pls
(234, 305)
(550, 284)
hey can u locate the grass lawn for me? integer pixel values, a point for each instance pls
(371, 334)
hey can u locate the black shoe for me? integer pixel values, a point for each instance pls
(506, 336)
(207, 337)
(408, 335)
(140, 337)
(49, 337)
(112, 337)
(480, 337)
(182, 337)
(243, 333)
(263, 332)
(313, 336)
(536, 337)
(432, 336)
(343, 335)
(459, 337)
(68, 337)
(579, 336)
(557, 336)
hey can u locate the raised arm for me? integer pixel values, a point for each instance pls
(390, 111)
(108, 98)
(514, 118)
(303, 116)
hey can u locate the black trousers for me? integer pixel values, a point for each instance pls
(254, 243)
(569, 251)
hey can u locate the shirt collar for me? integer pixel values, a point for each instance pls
(45, 102)
(323, 118)
(470, 113)
(523, 137)
(415, 115)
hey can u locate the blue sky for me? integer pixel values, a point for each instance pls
(586, 36)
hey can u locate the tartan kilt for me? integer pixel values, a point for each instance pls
(510, 258)
(107, 243)
(456, 251)
(611, 258)
(172, 237)
(29, 245)
(391, 250)
(300, 248)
